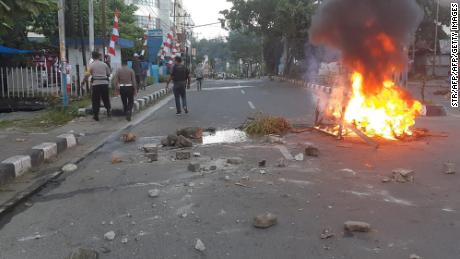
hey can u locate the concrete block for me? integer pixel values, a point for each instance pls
(70, 139)
(146, 99)
(37, 157)
(141, 103)
(49, 150)
(61, 145)
(6, 173)
(137, 107)
(82, 112)
(21, 164)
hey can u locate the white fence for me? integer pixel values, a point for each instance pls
(30, 82)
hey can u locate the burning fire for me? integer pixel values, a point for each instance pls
(389, 113)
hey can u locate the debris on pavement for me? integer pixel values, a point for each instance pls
(299, 157)
(109, 236)
(199, 245)
(386, 179)
(327, 233)
(176, 141)
(263, 172)
(83, 253)
(273, 139)
(311, 151)
(193, 167)
(414, 256)
(183, 142)
(169, 141)
(239, 184)
(69, 168)
(124, 240)
(449, 168)
(152, 157)
(213, 168)
(402, 175)
(265, 220)
(234, 160)
(210, 130)
(154, 193)
(128, 137)
(262, 163)
(150, 148)
(182, 155)
(191, 132)
(357, 226)
(116, 159)
(196, 154)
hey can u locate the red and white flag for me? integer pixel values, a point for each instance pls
(115, 34)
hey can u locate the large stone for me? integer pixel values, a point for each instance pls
(109, 235)
(82, 253)
(69, 168)
(199, 245)
(150, 148)
(194, 167)
(128, 137)
(152, 157)
(357, 226)
(235, 160)
(191, 132)
(169, 141)
(449, 168)
(402, 175)
(414, 256)
(311, 151)
(182, 155)
(183, 142)
(265, 220)
(154, 193)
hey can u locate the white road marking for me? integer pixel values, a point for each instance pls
(251, 105)
(299, 182)
(285, 152)
(228, 87)
(242, 91)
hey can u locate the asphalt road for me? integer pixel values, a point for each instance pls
(308, 196)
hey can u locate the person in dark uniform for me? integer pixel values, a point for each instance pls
(125, 82)
(100, 73)
(180, 75)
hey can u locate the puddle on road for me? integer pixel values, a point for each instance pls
(224, 136)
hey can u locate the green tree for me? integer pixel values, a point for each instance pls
(216, 50)
(426, 31)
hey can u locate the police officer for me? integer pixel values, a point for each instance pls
(125, 81)
(100, 73)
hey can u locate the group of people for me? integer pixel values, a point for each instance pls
(128, 80)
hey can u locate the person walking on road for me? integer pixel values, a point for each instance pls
(180, 76)
(100, 73)
(125, 82)
(137, 67)
(199, 77)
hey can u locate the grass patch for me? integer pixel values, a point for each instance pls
(54, 116)
(263, 125)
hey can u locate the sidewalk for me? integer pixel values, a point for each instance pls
(14, 141)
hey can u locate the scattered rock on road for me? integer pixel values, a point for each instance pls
(414, 256)
(194, 167)
(327, 233)
(357, 226)
(402, 175)
(182, 155)
(124, 240)
(183, 142)
(154, 193)
(200, 245)
(150, 148)
(191, 132)
(109, 236)
(196, 154)
(116, 159)
(83, 253)
(235, 160)
(128, 137)
(169, 141)
(311, 151)
(281, 162)
(213, 168)
(152, 157)
(299, 157)
(275, 140)
(386, 179)
(69, 168)
(265, 220)
(262, 163)
(449, 168)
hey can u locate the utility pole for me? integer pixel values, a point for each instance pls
(436, 38)
(104, 27)
(91, 25)
(174, 16)
(83, 48)
(62, 52)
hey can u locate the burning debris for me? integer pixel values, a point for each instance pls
(366, 100)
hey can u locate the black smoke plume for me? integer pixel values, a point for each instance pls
(370, 34)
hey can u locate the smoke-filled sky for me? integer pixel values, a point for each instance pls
(370, 34)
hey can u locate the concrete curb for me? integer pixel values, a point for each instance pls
(140, 103)
(427, 111)
(16, 166)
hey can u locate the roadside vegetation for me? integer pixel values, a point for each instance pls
(54, 116)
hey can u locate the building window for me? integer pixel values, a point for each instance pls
(157, 3)
(143, 22)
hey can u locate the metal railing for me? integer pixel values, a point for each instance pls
(35, 82)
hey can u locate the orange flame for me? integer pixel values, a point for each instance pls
(389, 113)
